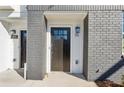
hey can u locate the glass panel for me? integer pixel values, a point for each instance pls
(65, 32)
(59, 33)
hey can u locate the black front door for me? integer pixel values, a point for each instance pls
(23, 48)
(60, 52)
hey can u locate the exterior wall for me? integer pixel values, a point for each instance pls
(105, 45)
(18, 26)
(12, 17)
(12, 49)
(6, 48)
(104, 36)
(36, 45)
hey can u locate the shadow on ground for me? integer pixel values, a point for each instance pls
(77, 75)
(20, 71)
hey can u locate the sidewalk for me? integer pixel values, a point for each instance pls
(10, 78)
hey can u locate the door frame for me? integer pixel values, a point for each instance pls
(49, 45)
(20, 46)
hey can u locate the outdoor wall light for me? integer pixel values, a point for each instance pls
(77, 30)
(12, 32)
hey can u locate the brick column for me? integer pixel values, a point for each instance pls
(36, 45)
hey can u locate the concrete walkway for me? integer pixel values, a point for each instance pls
(10, 78)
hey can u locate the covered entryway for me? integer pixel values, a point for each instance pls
(64, 44)
(60, 52)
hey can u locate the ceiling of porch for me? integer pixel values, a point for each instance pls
(61, 15)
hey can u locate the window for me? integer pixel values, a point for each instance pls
(59, 33)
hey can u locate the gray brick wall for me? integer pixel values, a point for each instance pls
(104, 35)
(105, 45)
(36, 45)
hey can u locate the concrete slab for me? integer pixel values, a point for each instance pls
(12, 78)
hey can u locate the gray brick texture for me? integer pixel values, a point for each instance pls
(36, 45)
(105, 45)
(102, 39)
